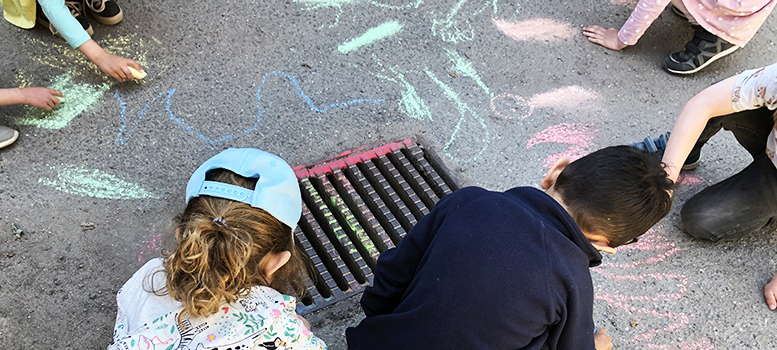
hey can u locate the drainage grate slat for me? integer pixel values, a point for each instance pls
(361, 212)
(358, 205)
(401, 186)
(393, 226)
(414, 178)
(332, 229)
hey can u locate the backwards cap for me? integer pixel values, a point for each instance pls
(277, 191)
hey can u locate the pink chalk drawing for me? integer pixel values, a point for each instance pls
(691, 179)
(152, 246)
(579, 136)
(567, 98)
(537, 29)
(652, 248)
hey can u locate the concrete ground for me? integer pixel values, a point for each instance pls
(498, 89)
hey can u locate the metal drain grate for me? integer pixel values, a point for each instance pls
(356, 206)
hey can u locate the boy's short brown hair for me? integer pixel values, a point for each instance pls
(618, 192)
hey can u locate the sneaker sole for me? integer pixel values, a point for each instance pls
(109, 21)
(713, 59)
(11, 140)
(691, 166)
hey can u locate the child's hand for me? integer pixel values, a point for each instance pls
(605, 37)
(112, 65)
(770, 292)
(40, 97)
(116, 66)
(602, 341)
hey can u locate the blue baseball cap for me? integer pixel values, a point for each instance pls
(277, 190)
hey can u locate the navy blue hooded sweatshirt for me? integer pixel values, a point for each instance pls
(484, 270)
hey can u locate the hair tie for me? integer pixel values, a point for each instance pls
(220, 220)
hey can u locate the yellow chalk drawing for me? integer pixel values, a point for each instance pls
(23, 78)
(94, 183)
(80, 97)
(65, 58)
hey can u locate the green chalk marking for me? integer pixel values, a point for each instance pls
(94, 183)
(449, 28)
(464, 110)
(400, 7)
(464, 67)
(382, 31)
(410, 103)
(81, 96)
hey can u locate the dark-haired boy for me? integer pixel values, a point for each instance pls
(509, 270)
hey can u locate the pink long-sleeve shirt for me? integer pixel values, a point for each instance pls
(735, 21)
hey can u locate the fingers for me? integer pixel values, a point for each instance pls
(771, 298)
(56, 93)
(134, 65)
(601, 331)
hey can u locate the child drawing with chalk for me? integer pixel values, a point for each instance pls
(67, 18)
(721, 27)
(225, 285)
(510, 270)
(39, 97)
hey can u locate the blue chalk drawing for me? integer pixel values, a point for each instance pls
(124, 134)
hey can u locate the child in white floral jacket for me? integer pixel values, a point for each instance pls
(219, 287)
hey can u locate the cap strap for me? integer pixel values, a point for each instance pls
(226, 191)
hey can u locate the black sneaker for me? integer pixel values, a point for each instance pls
(693, 161)
(106, 12)
(655, 146)
(702, 50)
(76, 9)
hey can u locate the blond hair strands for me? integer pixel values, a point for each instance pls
(220, 251)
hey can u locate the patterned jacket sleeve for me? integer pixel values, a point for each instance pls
(641, 18)
(756, 88)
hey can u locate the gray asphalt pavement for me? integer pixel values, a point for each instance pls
(498, 89)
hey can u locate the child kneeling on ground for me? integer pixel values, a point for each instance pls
(220, 288)
(509, 270)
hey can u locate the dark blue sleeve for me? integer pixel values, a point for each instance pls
(577, 329)
(397, 266)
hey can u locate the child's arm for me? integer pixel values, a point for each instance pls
(110, 64)
(76, 36)
(35, 96)
(643, 15)
(712, 102)
(770, 292)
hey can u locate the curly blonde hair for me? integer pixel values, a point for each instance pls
(221, 248)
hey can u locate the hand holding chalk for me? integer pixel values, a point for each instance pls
(602, 341)
(40, 97)
(137, 75)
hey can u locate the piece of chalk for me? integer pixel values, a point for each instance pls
(136, 74)
(61, 99)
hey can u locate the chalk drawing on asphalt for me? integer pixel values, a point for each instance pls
(372, 35)
(463, 67)
(77, 180)
(537, 29)
(79, 98)
(466, 115)
(410, 103)
(564, 99)
(578, 136)
(127, 127)
(654, 312)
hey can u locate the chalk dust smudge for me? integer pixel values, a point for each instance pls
(538, 29)
(510, 106)
(580, 136)
(94, 183)
(79, 97)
